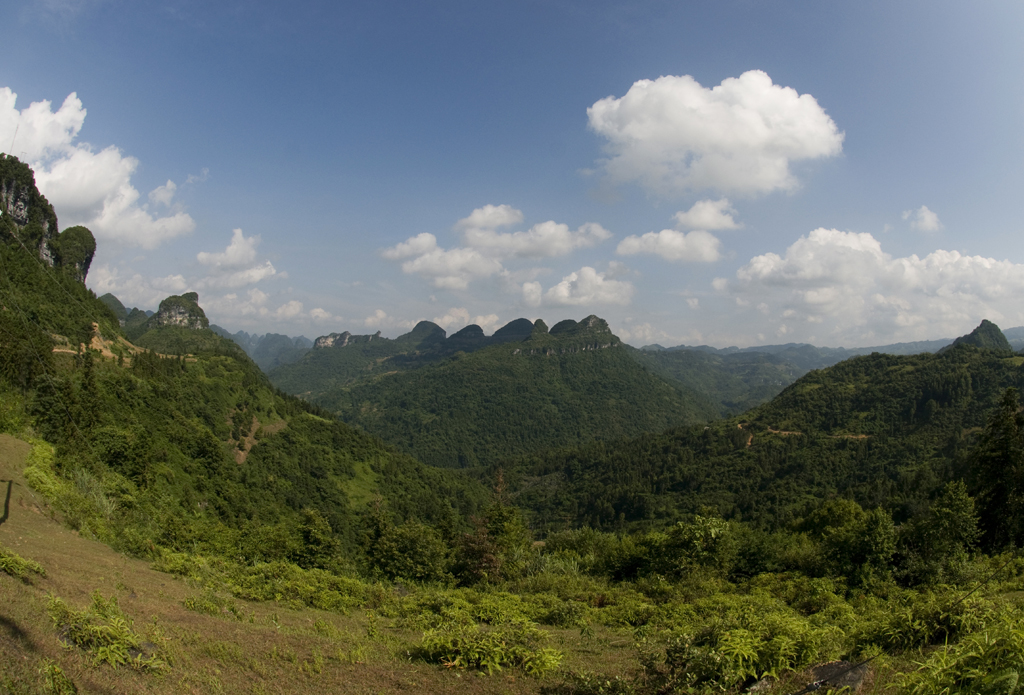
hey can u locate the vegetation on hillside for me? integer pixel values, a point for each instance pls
(870, 511)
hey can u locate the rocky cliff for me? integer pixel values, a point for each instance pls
(182, 311)
(28, 219)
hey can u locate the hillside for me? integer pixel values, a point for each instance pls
(880, 429)
(176, 440)
(573, 384)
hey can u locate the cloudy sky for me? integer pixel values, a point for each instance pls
(729, 173)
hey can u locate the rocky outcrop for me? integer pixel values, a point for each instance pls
(27, 219)
(340, 340)
(182, 311)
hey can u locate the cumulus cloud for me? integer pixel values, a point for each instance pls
(458, 317)
(485, 248)
(235, 266)
(673, 135)
(452, 269)
(320, 315)
(544, 240)
(289, 310)
(846, 284)
(241, 251)
(491, 217)
(85, 186)
(135, 289)
(585, 287)
(163, 194)
(380, 319)
(708, 214)
(923, 219)
(697, 246)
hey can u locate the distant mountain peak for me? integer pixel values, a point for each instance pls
(182, 311)
(987, 335)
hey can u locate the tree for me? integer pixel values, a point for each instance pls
(996, 474)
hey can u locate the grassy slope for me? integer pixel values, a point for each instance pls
(274, 648)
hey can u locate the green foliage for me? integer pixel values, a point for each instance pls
(209, 602)
(76, 246)
(997, 474)
(935, 547)
(736, 382)
(411, 551)
(724, 641)
(57, 682)
(104, 631)
(862, 430)
(518, 644)
(464, 409)
(17, 566)
(988, 661)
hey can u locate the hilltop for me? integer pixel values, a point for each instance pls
(468, 399)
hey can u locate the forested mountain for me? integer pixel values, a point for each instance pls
(806, 357)
(169, 450)
(270, 350)
(843, 518)
(517, 392)
(881, 429)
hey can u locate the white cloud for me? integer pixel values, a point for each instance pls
(693, 303)
(85, 187)
(320, 315)
(541, 241)
(289, 310)
(240, 278)
(479, 231)
(674, 136)
(484, 248)
(585, 287)
(696, 246)
(380, 319)
(452, 269)
(376, 319)
(860, 294)
(413, 246)
(642, 333)
(163, 194)
(708, 214)
(491, 217)
(533, 293)
(236, 265)
(201, 177)
(923, 219)
(241, 251)
(135, 289)
(458, 317)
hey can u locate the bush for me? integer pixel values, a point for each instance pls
(105, 632)
(988, 661)
(457, 645)
(18, 567)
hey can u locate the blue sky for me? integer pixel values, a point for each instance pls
(722, 173)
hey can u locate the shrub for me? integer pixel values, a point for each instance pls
(209, 603)
(518, 644)
(990, 660)
(105, 632)
(18, 567)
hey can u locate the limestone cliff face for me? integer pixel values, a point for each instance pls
(27, 218)
(342, 339)
(182, 311)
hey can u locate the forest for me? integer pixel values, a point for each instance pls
(596, 528)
